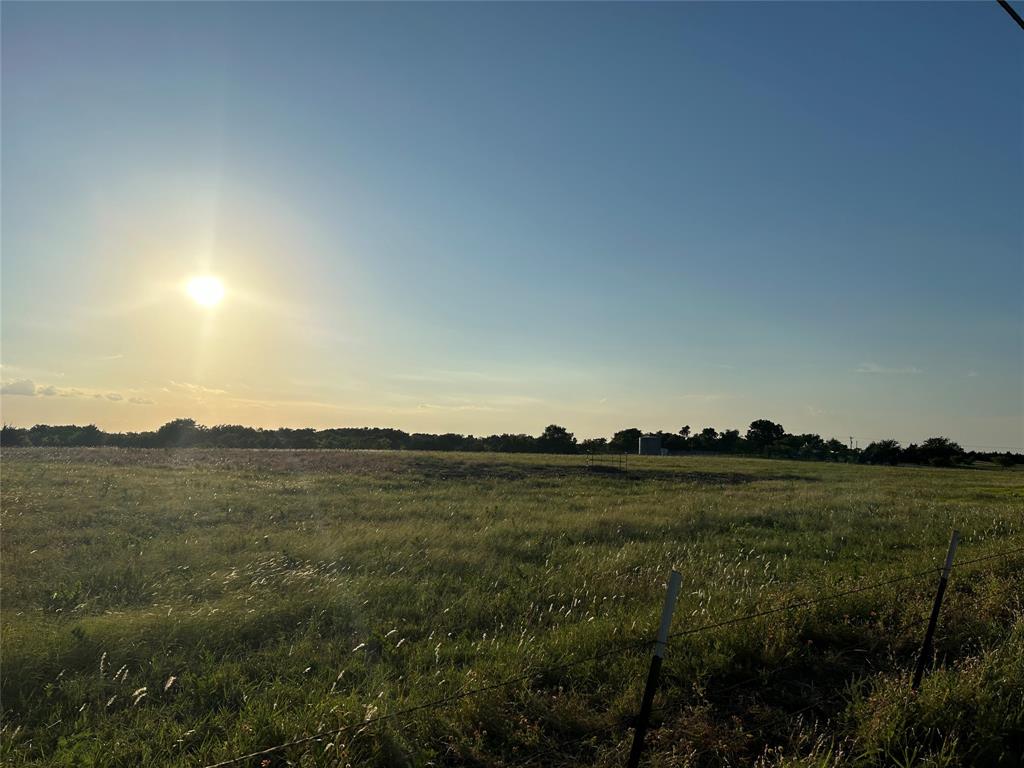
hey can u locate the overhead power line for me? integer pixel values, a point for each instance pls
(1013, 14)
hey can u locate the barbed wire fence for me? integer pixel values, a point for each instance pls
(619, 650)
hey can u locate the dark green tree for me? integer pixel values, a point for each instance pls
(882, 452)
(941, 452)
(594, 445)
(556, 439)
(729, 440)
(625, 440)
(88, 436)
(11, 437)
(180, 433)
(763, 433)
(835, 450)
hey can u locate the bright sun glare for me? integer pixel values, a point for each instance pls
(207, 291)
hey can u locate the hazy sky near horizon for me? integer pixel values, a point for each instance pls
(490, 217)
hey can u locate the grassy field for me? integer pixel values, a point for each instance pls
(182, 608)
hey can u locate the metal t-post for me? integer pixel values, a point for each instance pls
(642, 719)
(926, 649)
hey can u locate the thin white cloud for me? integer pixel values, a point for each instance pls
(29, 372)
(453, 377)
(498, 402)
(197, 389)
(704, 396)
(23, 387)
(465, 407)
(28, 388)
(875, 368)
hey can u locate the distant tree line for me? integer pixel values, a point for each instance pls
(762, 438)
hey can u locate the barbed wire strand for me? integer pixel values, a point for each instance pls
(993, 556)
(836, 595)
(782, 717)
(801, 604)
(452, 698)
(438, 703)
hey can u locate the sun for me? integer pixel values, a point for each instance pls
(206, 291)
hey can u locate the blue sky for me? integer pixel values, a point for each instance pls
(489, 217)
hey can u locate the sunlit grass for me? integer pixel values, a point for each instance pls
(179, 608)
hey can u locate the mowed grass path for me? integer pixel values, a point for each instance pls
(180, 608)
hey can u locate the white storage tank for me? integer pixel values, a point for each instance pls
(650, 445)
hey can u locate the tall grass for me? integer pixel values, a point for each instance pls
(179, 608)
